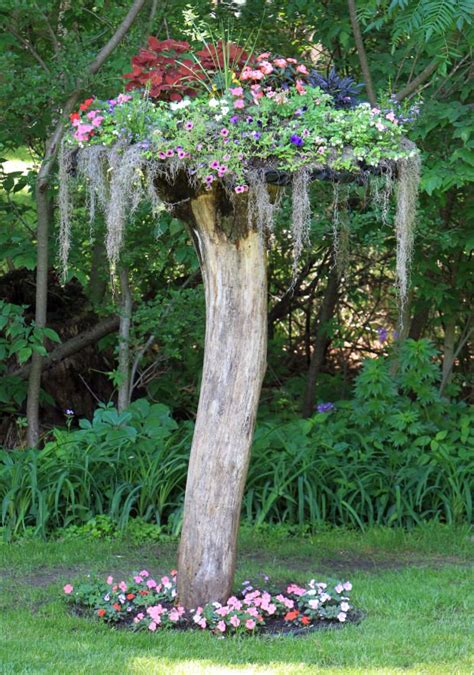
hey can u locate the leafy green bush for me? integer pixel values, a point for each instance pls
(396, 454)
(123, 465)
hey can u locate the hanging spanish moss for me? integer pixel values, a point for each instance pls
(261, 209)
(382, 189)
(92, 165)
(66, 185)
(117, 179)
(301, 214)
(407, 194)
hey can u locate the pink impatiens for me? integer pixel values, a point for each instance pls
(142, 603)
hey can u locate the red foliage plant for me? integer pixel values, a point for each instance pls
(171, 72)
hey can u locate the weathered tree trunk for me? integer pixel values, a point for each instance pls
(124, 341)
(233, 263)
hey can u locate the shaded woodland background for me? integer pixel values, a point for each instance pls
(326, 318)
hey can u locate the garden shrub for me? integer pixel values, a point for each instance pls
(397, 454)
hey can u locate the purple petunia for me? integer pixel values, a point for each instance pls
(257, 135)
(296, 140)
(234, 119)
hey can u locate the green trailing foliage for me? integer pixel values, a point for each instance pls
(396, 454)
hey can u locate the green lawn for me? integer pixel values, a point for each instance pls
(416, 590)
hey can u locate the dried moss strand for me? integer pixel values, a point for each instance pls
(65, 204)
(301, 214)
(407, 194)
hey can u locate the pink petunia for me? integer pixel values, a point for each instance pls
(263, 56)
(123, 586)
(341, 616)
(302, 69)
(239, 103)
(347, 586)
(202, 623)
(290, 60)
(236, 91)
(68, 589)
(151, 583)
(221, 626)
(152, 626)
(110, 580)
(281, 63)
(123, 98)
(380, 126)
(339, 588)
(138, 579)
(250, 624)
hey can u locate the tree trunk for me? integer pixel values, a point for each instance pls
(233, 264)
(44, 215)
(124, 341)
(321, 340)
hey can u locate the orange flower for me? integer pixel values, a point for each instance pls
(101, 612)
(143, 592)
(130, 596)
(305, 620)
(291, 616)
(116, 606)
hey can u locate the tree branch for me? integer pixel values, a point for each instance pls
(72, 346)
(124, 27)
(420, 79)
(361, 53)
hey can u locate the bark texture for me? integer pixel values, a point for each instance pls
(233, 263)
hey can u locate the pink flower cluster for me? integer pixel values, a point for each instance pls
(151, 604)
(269, 69)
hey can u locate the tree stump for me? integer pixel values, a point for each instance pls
(233, 262)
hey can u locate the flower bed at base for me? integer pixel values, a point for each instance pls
(144, 603)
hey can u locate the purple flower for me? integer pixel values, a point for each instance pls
(257, 135)
(296, 140)
(249, 119)
(68, 411)
(325, 407)
(383, 335)
(224, 132)
(234, 119)
(214, 164)
(188, 125)
(170, 153)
